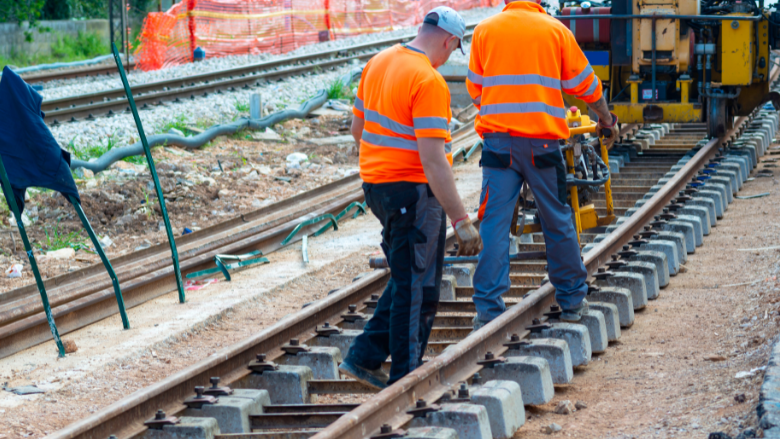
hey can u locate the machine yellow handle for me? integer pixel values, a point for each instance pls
(573, 116)
(590, 128)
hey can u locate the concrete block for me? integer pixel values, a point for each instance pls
(322, 360)
(503, 401)
(722, 189)
(232, 412)
(597, 330)
(725, 181)
(621, 298)
(708, 204)
(635, 283)
(668, 249)
(611, 318)
(647, 270)
(287, 385)
(699, 212)
(554, 350)
(187, 428)
(464, 273)
(658, 259)
(686, 229)
(431, 433)
(575, 335)
(678, 239)
(717, 201)
(447, 287)
(531, 373)
(341, 341)
(470, 421)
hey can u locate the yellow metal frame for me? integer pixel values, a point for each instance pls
(673, 112)
(585, 217)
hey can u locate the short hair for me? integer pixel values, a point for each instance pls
(432, 29)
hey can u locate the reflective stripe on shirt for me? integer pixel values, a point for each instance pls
(438, 123)
(528, 79)
(473, 77)
(387, 123)
(526, 107)
(389, 141)
(579, 79)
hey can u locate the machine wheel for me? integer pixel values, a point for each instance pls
(716, 117)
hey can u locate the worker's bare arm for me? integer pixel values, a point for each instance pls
(357, 128)
(601, 108)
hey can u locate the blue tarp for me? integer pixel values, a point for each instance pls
(30, 154)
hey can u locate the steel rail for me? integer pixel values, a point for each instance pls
(459, 362)
(83, 297)
(154, 93)
(125, 417)
(108, 69)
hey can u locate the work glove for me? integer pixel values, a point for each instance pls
(611, 133)
(469, 241)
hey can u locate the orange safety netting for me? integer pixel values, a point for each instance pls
(235, 27)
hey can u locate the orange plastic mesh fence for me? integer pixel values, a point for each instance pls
(234, 27)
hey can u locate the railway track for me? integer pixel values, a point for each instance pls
(104, 69)
(650, 186)
(112, 102)
(85, 296)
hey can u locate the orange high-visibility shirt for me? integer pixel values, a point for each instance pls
(401, 97)
(521, 59)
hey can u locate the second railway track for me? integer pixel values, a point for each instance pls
(646, 185)
(111, 102)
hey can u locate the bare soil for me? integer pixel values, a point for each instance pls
(226, 178)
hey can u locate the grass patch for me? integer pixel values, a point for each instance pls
(180, 123)
(339, 90)
(67, 48)
(95, 151)
(242, 107)
(56, 239)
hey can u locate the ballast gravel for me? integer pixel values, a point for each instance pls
(290, 92)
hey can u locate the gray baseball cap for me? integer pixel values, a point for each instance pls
(449, 20)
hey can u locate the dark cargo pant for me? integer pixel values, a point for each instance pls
(413, 238)
(507, 162)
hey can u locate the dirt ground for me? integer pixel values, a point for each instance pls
(674, 372)
(167, 336)
(230, 176)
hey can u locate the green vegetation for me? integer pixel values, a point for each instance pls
(66, 49)
(56, 239)
(339, 90)
(242, 107)
(95, 151)
(180, 123)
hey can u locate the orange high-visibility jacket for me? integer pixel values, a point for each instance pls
(521, 59)
(401, 97)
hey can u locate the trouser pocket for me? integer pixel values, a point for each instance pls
(546, 154)
(418, 244)
(496, 152)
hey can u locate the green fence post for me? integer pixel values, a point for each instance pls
(99, 249)
(9, 197)
(150, 161)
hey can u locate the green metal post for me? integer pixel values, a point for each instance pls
(99, 249)
(150, 161)
(9, 197)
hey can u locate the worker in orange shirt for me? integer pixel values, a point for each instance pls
(521, 60)
(401, 121)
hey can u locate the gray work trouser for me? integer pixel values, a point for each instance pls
(506, 163)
